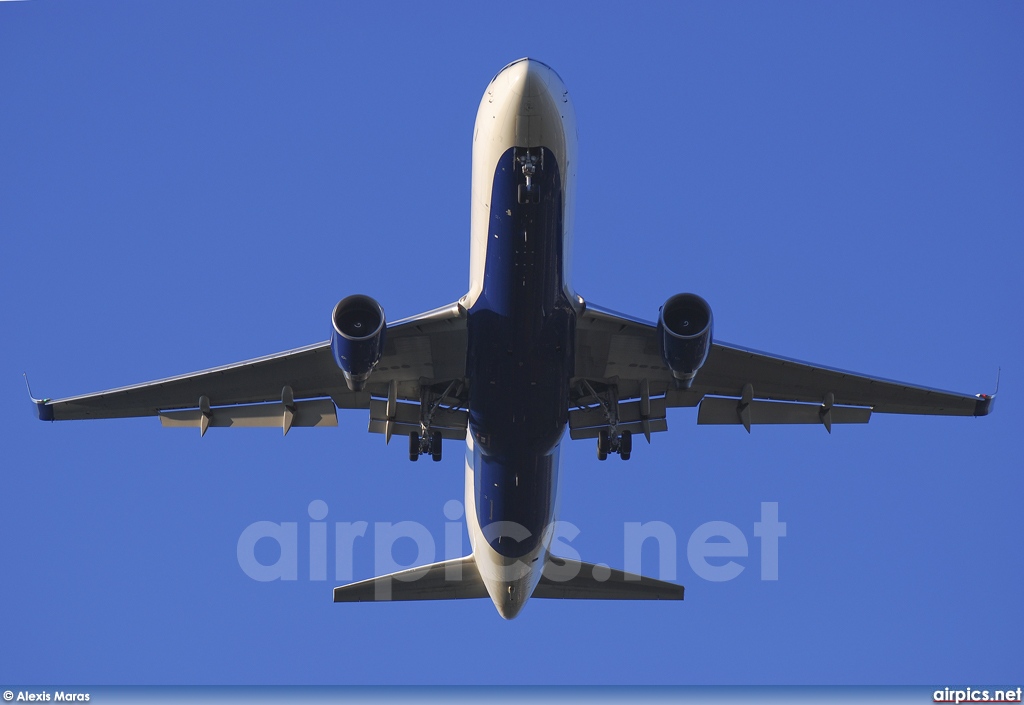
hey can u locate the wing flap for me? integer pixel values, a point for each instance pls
(405, 419)
(315, 413)
(725, 410)
(638, 428)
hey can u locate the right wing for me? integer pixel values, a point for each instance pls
(736, 385)
(420, 351)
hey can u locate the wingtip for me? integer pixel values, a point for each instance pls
(983, 407)
(44, 410)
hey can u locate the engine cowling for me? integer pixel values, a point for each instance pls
(684, 334)
(357, 338)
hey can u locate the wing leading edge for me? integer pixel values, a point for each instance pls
(426, 348)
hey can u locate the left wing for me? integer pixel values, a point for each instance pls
(736, 384)
(419, 352)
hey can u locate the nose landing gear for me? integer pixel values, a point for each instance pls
(529, 163)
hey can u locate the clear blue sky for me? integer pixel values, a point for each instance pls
(189, 184)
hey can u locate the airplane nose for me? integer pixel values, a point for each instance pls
(527, 78)
(534, 83)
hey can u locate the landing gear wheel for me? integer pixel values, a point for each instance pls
(626, 445)
(414, 446)
(603, 445)
(435, 446)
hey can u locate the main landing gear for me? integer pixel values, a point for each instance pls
(427, 441)
(430, 444)
(622, 444)
(609, 440)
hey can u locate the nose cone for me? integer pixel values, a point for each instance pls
(527, 105)
(529, 78)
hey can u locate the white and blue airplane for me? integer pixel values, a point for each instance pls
(510, 365)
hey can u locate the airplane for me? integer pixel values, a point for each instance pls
(510, 366)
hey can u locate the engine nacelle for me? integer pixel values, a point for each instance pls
(684, 334)
(357, 340)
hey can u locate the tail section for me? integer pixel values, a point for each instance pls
(459, 579)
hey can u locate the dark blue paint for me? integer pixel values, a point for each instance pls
(685, 326)
(357, 354)
(44, 410)
(984, 404)
(521, 356)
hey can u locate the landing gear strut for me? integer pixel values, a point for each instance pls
(609, 440)
(428, 440)
(529, 163)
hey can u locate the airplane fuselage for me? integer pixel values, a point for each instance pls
(521, 325)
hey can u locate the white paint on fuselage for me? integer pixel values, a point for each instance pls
(525, 105)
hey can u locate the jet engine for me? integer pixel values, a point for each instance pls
(357, 340)
(684, 334)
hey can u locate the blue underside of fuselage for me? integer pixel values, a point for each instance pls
(520, 357)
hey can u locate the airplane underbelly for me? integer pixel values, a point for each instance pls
(521, 333)
(521, 325)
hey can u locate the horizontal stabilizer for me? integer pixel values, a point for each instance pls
(456, 579)
(574, 580)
